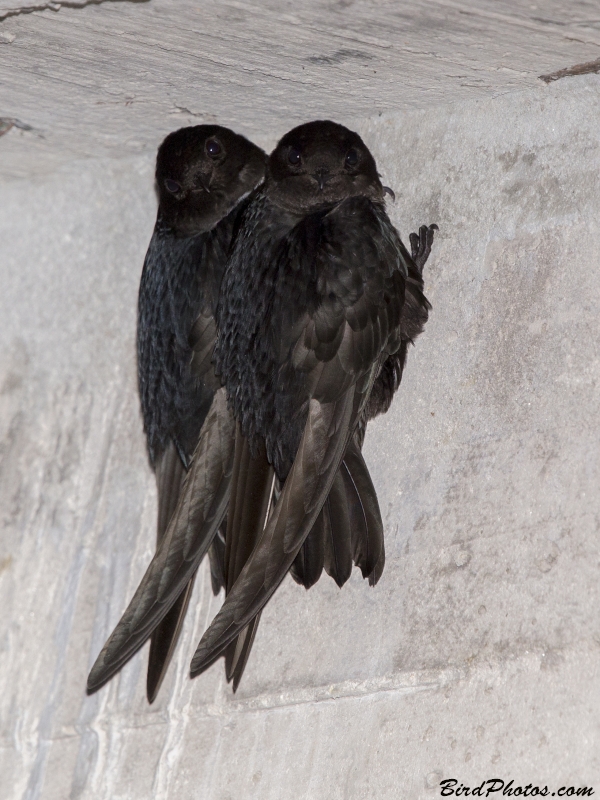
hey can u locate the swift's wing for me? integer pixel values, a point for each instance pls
(199, 513)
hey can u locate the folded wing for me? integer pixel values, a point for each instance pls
(199, 512)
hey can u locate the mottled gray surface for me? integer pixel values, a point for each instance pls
(16, 8)
(477, 656)
(114, 78)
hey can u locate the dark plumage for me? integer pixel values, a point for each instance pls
(202, 175)
(199, 204)
(318, 303)
(319, 294)
(415, 314)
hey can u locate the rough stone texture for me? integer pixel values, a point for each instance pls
(114, 78)
(477, 656)
(13, 8)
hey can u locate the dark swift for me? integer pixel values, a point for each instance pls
(318, 304)
(203, 174)
(352, 520)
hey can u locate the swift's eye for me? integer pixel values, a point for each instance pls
(172, 186)
(351, 158)
(213, 148)
(294, 157)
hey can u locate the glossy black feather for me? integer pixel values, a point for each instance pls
(310, 560)
(366, 526)
(335, 529)
(348, 530)
(180, 282)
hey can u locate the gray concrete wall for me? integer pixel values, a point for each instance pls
(477, 656)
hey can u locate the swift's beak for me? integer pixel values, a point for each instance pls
(321, 176)
(202, 183)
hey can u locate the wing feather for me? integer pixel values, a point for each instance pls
(170, 476)
(199, 513)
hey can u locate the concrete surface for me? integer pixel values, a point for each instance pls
(477, 656)
(114, 78)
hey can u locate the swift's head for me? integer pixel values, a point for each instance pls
(202, 173)
(319, 164)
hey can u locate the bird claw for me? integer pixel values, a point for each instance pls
(420, 244)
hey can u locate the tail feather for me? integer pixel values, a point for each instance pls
(308, 564)
(365, 517)
(338, 549)
(236, 655)
(378, 570)
(348, 529)
(163, 642)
